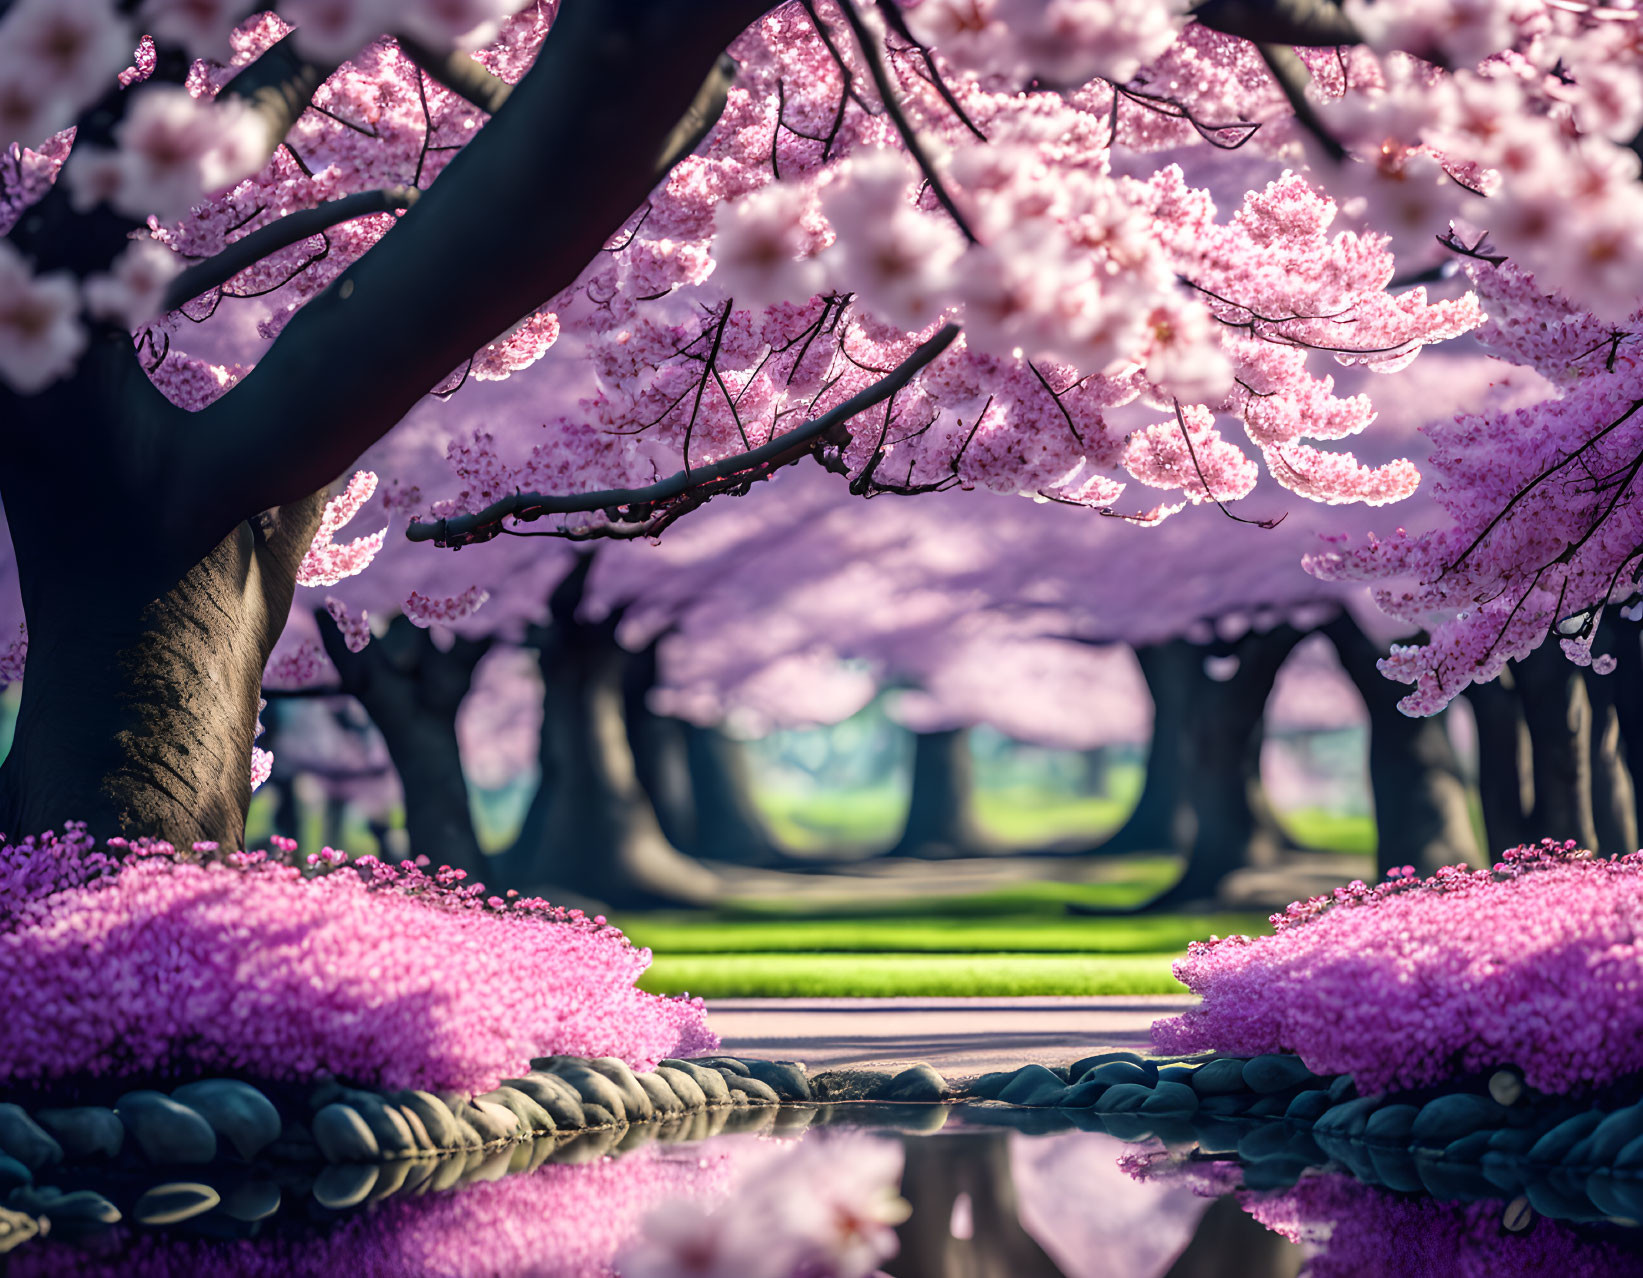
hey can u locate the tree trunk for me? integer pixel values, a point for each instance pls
(412, 692)
(1097, 773)
(1233, 823)
(1422, 817)
(138, 714)
(1614, 799)
(977, 1164)
(1162, 819)
(940, 820)
(1558, 713)
(728, 825)
(1505, 762)
(660, 753)
(596, 836)
(1230, 1243)
(1628, 701)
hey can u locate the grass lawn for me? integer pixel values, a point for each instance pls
(788, 975)
(1014, 940)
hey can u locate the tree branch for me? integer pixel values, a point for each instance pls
(485, 524)
(1292, 77)
(512, 221)
(278, 87)
(204, 276)
(1313, 23)
(460, 73)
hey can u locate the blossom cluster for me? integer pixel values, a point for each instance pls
(142, 960)
(1533, 963)
(828, 1207)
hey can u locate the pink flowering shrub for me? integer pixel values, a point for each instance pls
(139, 960)
(1349, 1226)
(1535, 963)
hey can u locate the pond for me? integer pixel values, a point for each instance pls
(836, 1192)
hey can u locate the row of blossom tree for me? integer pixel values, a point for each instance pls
(1063, 247)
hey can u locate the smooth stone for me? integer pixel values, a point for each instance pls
(1111, 1073)
(553, 1064)
(1273, 1072)
(1555, 1145)
(757, 1093)
(986, 1086)
(1084, 1095)
(917, 1084)
(1171, 1100)
(710, 1081)
(1082, 1068)
(1396, 1169)
(343, 1135)
(434, 1115)
(1518, 1216)
(1274, 1173)
(13, 1173)
(1307, 1106)
(1445, 1120)
(553, 1094)
(1631, 1154)
(1033, 1086)
(663, 1100)
(493, 1121)
(1612, 1135)
(252, 1201)
(1223, 1076)
(167, 1131)
(1177, 1074)
(85, 1131)
(26, 1141)
(16, 1228)
(175, 1202)
(1390, 1125)
(1225, 1106)
(80, 1208)
(1558, 1204)
(1506, 1086)
(237, 1112)
(394, 1136)
(1468, 1149)
(634, 1099)
(344, 1185)
(1347, 1119)
(1464, 1182)
(419, 1133)
(785, 1078)
(532, 1117)
(683, 1086)
(1271, 1105)
(598, 1116)
(596, 1089)
(724, 1064)
(1606, 1195)
(1342, 1088)
(1269, 1140)
(1123, 1098)
(390, 1177)
(447, 1173)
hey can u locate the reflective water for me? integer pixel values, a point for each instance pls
(985, 1202)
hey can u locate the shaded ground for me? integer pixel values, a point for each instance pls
(958, 1036)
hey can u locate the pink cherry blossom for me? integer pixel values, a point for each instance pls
(41, 337)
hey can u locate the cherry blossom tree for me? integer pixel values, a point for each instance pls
(1061, 248)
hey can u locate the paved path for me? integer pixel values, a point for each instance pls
(958, 1036)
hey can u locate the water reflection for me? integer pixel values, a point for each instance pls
(986, 1202)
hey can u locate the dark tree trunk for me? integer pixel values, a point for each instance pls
(1230, 1243)
(728, 825)
(1233, 823)
(936, 1171)
(1422, 817)
(1628, 702)
(940, 820)
(660, 753)
(1558, 713)
(412, 692)
(145, 668)
(1505, 762)
(596, 836)
(281, 786)
(1162, 819)
(1097, 769)
(1614, 798)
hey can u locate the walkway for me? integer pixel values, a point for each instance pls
(958, 1036)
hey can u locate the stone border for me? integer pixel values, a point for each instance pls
(242, 1153)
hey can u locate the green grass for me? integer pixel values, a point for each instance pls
(926, 975)
(1331, 831)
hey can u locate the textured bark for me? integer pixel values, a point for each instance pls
(660, 753)
(937, 1170)
(1422, 817)
(1556, 708)
(596, 836)
(1505, 762)
(1162, 819)
(1234, 826)
(940, 820)
(728, 824)
(412, 692)
(145, 666)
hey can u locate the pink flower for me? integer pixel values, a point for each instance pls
(130, 295)
(41, 336)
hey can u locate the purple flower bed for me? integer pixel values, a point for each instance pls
(1535, 963)
(138, 961)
